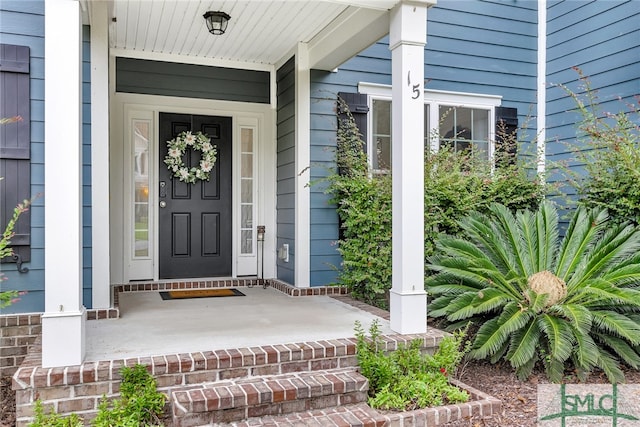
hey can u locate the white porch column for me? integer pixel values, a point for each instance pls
(303, 172)
(100, 268)
(407, 37)
(63, 320)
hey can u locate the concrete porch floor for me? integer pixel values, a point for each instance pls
(149, 326)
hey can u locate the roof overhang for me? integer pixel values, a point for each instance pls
(261, 33)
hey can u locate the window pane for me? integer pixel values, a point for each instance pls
(247, 205)
(382, 153)
(246, 190)
(246, 241)
(247, 165)
(246, 137)
(381, 150)
(246, 220)
(427, 134)
(141, 189)
(480, 125)
(465, 129)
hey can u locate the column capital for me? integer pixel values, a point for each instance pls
(409, 23)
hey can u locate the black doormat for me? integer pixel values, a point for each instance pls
(201, 293)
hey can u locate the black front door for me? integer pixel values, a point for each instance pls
(195, 219)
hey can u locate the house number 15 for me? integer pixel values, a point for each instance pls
(415, 88)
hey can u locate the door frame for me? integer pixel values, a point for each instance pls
(259, 117)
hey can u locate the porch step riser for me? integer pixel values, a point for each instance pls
(276, 395)
(224, 365)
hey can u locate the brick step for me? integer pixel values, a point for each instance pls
(357, 415)
(238, 400)
(362, 415)
(248, 362)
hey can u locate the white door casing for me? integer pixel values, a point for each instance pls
(249, 120)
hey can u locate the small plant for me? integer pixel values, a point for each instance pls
(537, 298)
(610, 152)
(140, 403)
(52, 419)
(10, 297)
(406, 379)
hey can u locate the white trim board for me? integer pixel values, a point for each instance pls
(438, 96)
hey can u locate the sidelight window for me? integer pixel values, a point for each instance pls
(140, 145)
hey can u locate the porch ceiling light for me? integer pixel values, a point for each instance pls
(216, 22)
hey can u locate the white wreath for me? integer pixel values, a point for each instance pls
(178, 147)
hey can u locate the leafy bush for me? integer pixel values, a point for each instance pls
(537, 298)
(610, 154)
(406, 379)
(455, 184)
(51, 419)
(140, 403)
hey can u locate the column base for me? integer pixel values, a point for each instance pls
(63, 338)
(408, 312)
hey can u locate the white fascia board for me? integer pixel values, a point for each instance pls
(352, 31)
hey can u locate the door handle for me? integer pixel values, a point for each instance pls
(163, 204)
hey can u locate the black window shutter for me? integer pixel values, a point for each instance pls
(506, 136)
(359, 107)
(15, 140)
(357, 104)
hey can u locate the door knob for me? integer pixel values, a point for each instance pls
(163, 204)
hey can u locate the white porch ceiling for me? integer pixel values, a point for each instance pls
(260, 32)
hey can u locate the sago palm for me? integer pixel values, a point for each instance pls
(535, 297)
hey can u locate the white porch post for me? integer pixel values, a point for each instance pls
(64, 317)
(407, 37)
(303, 173)
(100, 268)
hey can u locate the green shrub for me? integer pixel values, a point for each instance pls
(455, 184)
(140, 403)
(610, 154)
(406, 379)
(51, 419)
(537, 298)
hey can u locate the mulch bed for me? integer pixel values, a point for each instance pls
(519, 398)
(7, 403)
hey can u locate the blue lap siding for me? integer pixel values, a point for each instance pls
(286, 168)
(22, 23)
(602, 38)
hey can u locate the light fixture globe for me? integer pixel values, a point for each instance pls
(216, 22)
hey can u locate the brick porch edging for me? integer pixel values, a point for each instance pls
(226, 283)
(79, 388)
(17, 334)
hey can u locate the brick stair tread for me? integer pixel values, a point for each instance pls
(356, 415)
(258, 391)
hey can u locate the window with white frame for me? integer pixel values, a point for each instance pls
(461, 121)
